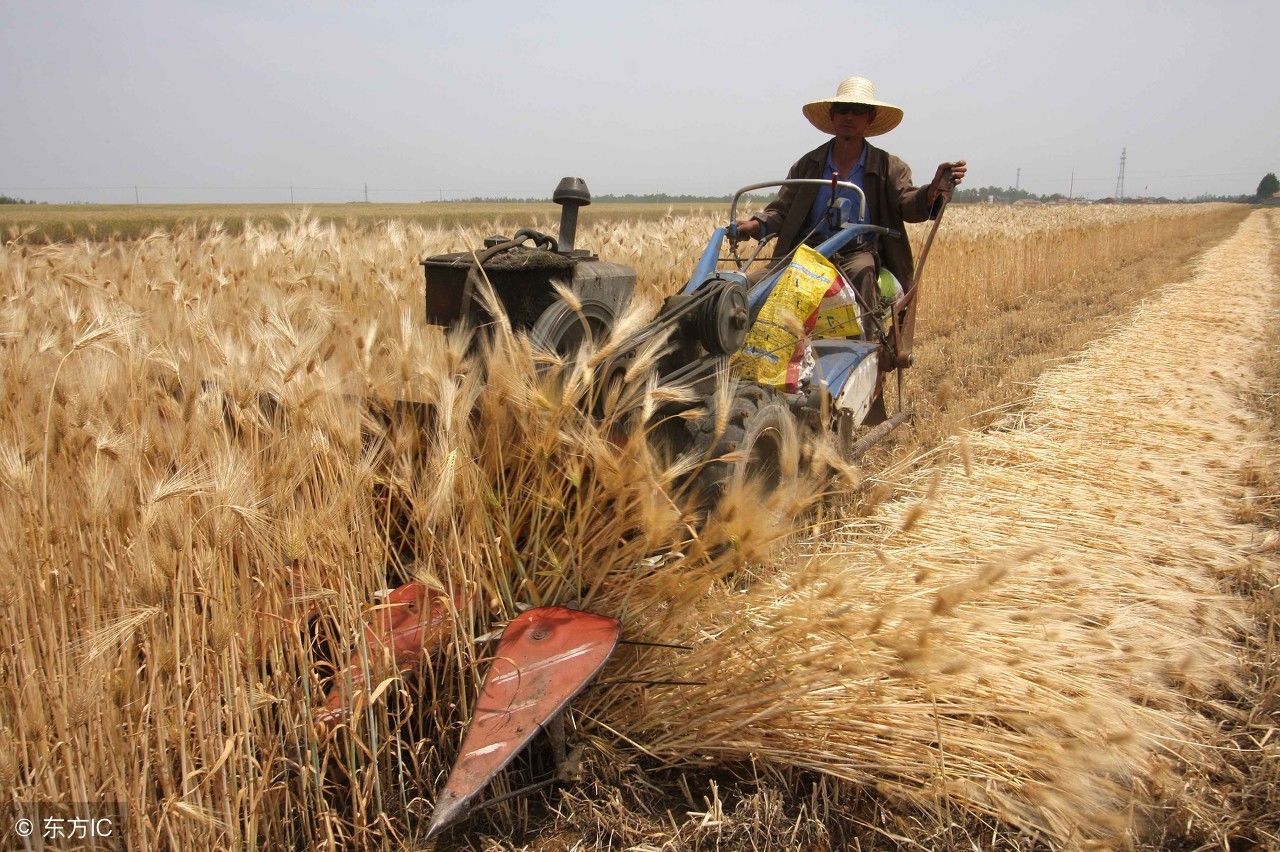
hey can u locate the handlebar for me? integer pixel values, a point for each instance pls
(862, 196)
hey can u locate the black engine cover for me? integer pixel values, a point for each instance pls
(522, 279)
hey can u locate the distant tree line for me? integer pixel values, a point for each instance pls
(1008, 195)
(982, 194)
(664, 198)
(1267, 187)
(1002, 194)
(629, 198)
(4, 199)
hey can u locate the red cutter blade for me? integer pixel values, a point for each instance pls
(545, 657)
(412, 622)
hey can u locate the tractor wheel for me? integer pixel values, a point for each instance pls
(760, 438)
(563, 330)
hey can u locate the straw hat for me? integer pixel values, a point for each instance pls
(854, 90)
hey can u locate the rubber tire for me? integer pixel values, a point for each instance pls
(761, 429)
(559, 328)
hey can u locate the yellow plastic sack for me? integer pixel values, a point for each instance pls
(837, 312)
(811, 299)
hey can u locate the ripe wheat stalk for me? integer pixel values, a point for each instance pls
(210, 472)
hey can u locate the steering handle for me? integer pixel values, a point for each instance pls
(844, 184)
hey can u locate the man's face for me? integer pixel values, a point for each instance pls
(852, 119)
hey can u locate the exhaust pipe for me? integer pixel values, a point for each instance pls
(570, 194)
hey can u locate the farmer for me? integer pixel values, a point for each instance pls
(798, 213)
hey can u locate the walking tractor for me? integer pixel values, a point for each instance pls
(807, 354)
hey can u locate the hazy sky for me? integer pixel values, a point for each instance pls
(237, 101)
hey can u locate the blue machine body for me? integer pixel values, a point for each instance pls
(836, 360)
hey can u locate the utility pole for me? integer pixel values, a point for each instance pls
(137, 199)
(366, 192)
(1017, 184)
(290, 193)
(1124, 155)
(1071, 192)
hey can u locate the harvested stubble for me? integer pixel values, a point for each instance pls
(153, 558)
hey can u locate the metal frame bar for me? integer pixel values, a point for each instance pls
(844, 184)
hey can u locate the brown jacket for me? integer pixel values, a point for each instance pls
(891, 200)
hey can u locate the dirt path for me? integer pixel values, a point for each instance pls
(1057, 614)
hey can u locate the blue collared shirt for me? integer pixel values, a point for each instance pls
(818, 212)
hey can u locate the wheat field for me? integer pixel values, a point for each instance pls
(183, 567)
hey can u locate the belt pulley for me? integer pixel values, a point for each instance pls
(722, 319)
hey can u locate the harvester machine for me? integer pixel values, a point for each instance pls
(547, 655)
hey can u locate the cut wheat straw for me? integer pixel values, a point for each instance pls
(1047, 643)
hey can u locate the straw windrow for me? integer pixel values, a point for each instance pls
(1049, 643)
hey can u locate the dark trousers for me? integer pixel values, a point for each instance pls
(861, 268)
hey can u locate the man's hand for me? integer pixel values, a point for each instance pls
(748, 228)
(940, 186)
